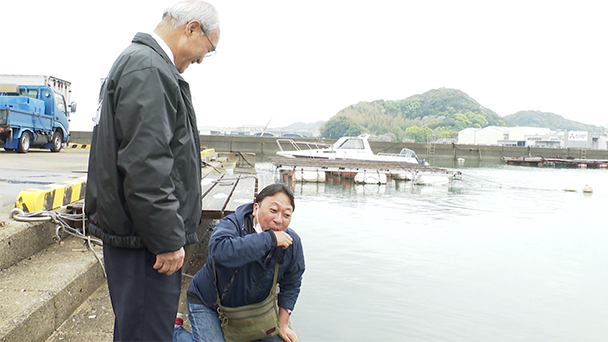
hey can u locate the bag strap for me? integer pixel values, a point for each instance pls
(276, 274)
(217, 292)
(274, 280)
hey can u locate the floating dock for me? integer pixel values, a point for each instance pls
(350, 165)
(227, 162)
(362, 171)
(223, 193)
(557, 162)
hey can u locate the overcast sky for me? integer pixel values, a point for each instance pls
(306, 60)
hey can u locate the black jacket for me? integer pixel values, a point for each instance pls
(143, 187)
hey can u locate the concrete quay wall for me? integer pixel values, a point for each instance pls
(268, 146)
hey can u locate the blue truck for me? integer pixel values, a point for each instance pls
(34, 112)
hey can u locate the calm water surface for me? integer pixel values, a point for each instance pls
(502, 255)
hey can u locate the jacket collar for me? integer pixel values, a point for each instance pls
(148, 40)
(166, 49)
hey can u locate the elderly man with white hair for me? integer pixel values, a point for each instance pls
(143, 190)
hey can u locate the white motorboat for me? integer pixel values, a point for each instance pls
(349, 148)
(432, 179)
(436, 178)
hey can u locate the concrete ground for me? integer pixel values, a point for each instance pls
(91, 321)
(51, 291)
(37, 168)
(94, 319)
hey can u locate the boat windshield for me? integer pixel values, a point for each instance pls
(352, 144)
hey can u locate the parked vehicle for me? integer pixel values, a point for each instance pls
(34, 112)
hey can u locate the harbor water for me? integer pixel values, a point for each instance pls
(504, 254)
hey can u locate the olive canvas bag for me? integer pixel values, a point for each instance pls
(252, 321)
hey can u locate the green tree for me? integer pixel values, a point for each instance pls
(420, 135)
(477, 120)
(397, 133)
(462, 121)
(340, 127)
(444, 132)
(354, 130)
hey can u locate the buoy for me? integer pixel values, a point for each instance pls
(587, 189)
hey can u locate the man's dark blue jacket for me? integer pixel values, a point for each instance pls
(233, 246)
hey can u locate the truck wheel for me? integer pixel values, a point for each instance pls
(24, 143)
(57, 144)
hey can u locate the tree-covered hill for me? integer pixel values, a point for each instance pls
(439, 112)
(542, 119)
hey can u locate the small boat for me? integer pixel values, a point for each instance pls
(347, 148)
(432, 179)
(436, 178)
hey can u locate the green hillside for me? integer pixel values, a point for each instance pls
(438, 113)
(542, 119)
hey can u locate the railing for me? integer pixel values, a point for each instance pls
(402, 155)
(396, 155)
(296, 145)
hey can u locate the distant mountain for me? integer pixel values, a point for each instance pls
(550, 120)
(437, 113)
(305, 126)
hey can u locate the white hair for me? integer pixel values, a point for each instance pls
(186, 11)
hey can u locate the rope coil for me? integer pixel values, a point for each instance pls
(60, 220)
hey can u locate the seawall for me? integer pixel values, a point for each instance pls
(487, 153)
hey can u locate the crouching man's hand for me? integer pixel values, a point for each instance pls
(286, 333)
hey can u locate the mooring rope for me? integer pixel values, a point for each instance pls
(60, 219)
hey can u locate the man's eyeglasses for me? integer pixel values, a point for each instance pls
(212, 52)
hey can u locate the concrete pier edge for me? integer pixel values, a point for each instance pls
(267, 146)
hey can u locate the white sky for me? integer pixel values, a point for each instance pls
(307, 60)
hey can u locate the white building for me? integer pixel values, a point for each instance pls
(520, 133)
(483, 136)
(518, 136)
(468, 136)
(583, 139)
(532, 137)
(553, 140)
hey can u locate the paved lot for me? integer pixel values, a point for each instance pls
(37, 168)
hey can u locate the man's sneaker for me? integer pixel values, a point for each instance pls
(179, 321)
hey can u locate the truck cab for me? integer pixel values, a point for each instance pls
(34, 115)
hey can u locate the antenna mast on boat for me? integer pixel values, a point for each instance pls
(264, 130)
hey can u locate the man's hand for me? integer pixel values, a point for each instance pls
(283, 239)
(170, 262)
(286, 333)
